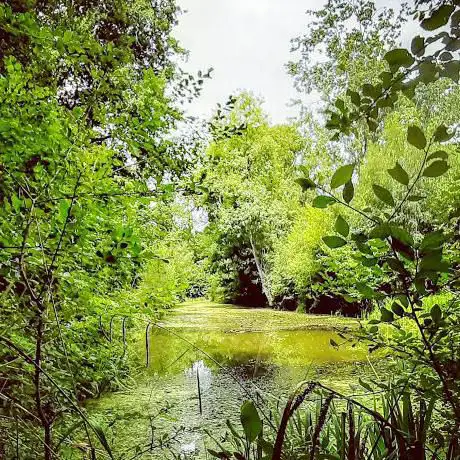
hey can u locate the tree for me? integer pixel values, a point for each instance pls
(246, 180)
(89, 92)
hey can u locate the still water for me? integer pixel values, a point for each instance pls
(235, 354)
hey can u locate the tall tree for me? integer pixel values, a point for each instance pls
(88, 92)
(248, 196)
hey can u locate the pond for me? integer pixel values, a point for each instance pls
(235, 354)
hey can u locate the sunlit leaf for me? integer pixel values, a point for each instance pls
(342, 175)
(250, 420)
(323, 201)
(341, 226)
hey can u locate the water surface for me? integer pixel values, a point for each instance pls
(236, 353)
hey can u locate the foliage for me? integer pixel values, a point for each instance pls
(420, 261)
(89, 93)
(295, 257)
(351, 38)
(316, 424)
(245, 181)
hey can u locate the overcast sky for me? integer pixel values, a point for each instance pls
(247, 42)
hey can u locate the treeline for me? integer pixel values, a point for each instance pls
(264, 242)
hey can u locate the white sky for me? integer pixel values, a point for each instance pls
(247, 42)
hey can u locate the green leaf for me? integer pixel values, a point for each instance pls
(372, 91)
(340, 104)
(334, 241)
(428, 72)
(417, 45)
(102, 439)
(369, 261)
(348, 192)
(365, 385)
(436, 314)
(438, 154)
(386, 78)
(401, 234)
(323, 201)
(355, 97)
(342, 175)
(333, 343)
(452, 70)
(383, 194)
(399, 174)
(250, 420)
(416, 137)
(397, 309)
(232, 429)
(399, 57)
(386, 315)
(372, 124)
(396, 265)
(381, 231)
(442, 135)
(438, 18)
(306, 183)
(433, 240)
(415, 197)
(365, 290)
(436, 169)
(420, 285)
(17, 203)
(342, 227)
(403, 300)
(433, 262)
(64, 206)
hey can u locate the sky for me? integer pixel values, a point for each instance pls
(247, 42)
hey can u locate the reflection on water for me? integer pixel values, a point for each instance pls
(172, 352)
(236, 365)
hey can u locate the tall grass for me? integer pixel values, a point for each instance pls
(399, 427)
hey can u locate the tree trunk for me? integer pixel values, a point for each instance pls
(260, 271)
